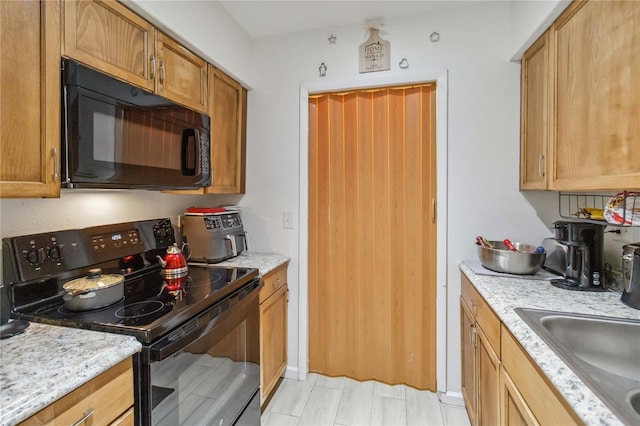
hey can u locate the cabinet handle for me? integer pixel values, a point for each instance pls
(541, 165)
(84, 417)
(472, 336)
(287, 295)
(474, 308)
(162, 72)
(433, 210)
(56, 170)
(153, 66)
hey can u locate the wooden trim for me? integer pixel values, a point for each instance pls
(508, 388)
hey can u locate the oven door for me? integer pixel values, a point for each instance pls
(208, 370)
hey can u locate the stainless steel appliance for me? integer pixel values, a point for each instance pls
(213, 237)
(115, 135)
(200, 359)
(584, 266)
(631, 264)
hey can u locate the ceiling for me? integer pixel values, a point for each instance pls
(264, 18)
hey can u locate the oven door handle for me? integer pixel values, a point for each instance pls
(194, 329)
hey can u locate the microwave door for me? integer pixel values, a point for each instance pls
(119, 136)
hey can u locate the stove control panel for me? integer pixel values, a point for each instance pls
(37, 256)
(115, 240)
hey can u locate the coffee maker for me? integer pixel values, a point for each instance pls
(584, 269)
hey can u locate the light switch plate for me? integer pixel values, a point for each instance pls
(288, 220)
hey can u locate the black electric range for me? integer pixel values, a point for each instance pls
(36, 266)
(205, 322)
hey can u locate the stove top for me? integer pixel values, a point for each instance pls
(152, 305)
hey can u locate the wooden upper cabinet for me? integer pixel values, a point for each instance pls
(596, 113)
(182, 76)
(228, 103)
(107, 36)
(29, 99)
(534, 125)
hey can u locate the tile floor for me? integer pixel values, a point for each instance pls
(321, 401)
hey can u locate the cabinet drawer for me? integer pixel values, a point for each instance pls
(109, 395)
(483, 314)
(545, 403)
(273, 281)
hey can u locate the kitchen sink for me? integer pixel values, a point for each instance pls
(604, 352)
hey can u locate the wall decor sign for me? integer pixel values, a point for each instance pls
(375, 53)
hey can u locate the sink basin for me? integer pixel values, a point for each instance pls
(604, 352)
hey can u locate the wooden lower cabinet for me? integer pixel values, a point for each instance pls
(534, 391)
(105, 400)
(480, 357)
(274, 298)
(501, 384)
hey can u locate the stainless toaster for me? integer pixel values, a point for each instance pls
(213, 237)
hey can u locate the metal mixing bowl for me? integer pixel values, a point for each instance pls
(524, 262)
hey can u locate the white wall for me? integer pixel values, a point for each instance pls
(483, 139)
(531, 18)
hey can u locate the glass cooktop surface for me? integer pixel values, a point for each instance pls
(151, 305)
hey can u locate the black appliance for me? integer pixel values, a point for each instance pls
(584, 263)
(200, 358)
(631, 293)
(115, 135)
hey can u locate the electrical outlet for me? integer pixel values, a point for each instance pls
(287, 220)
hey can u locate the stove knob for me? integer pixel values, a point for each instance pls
(32, 257)
(55, 253)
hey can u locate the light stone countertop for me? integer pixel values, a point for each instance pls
(46, 362)
(265, 262)
(504, 294)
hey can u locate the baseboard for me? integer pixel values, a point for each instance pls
(451, 398)
(291, 373)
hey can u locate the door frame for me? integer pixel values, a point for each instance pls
(440, 77)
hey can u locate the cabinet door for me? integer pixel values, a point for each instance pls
(597, 100)
(467, 343)
(534, 124)
(109, 37)
(273, 340)
(514, 409)
(488, 381)
(30, 80)
(182, 76)
(228, 130)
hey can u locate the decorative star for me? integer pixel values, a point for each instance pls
(332, 39)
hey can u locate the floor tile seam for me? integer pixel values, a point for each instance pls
(335, 414)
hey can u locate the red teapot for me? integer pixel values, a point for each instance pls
(174, 264)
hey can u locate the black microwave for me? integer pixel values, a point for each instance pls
(115, 135)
